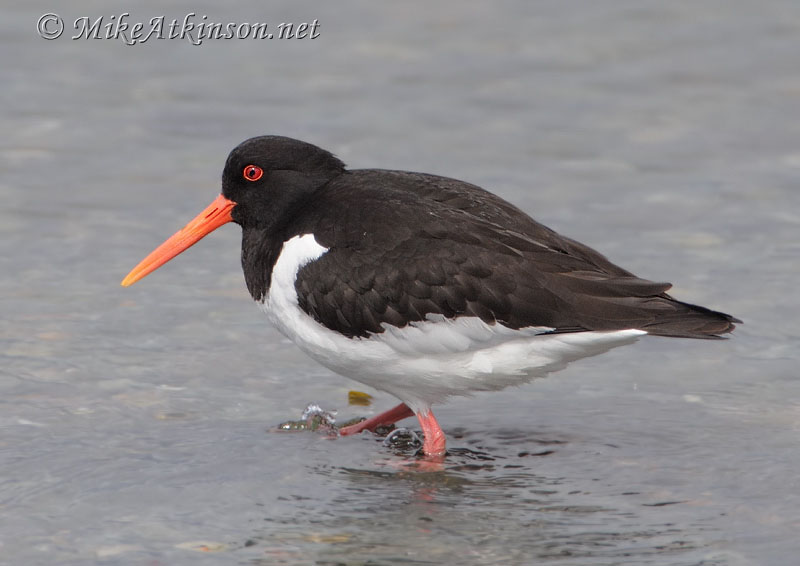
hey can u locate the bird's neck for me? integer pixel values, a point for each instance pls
(263, 235)
(260, 250)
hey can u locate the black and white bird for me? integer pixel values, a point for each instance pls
(418, 285)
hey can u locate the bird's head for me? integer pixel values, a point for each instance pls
(265, 178)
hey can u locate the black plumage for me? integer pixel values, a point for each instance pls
(403, 246)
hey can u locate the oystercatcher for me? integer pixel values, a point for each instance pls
(418, 285)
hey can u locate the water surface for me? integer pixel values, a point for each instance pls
(138, 424)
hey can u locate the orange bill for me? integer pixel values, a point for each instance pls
(215, 215)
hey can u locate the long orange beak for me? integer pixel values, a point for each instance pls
(215, 215)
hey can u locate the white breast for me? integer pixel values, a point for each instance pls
(428, 361)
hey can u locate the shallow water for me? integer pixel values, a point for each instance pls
(138, 424)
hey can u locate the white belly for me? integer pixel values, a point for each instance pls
(427, 361)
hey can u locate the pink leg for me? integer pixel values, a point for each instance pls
(391, 416)
(434, 444)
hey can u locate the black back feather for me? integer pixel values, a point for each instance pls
(402, 246)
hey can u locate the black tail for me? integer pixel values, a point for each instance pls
(691, 321)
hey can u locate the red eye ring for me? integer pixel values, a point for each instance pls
(252, 172)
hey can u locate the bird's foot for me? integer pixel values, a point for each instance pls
(387, 418)
(435, 441)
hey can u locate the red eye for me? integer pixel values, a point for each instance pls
(253, 172)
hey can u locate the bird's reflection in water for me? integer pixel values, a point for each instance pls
(508, 495)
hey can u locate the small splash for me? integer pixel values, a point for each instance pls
(313, 411)
(314, 418)
(402, 438)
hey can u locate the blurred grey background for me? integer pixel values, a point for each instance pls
(135, 424)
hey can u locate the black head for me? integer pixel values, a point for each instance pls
(264, 181)
(267, 176)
